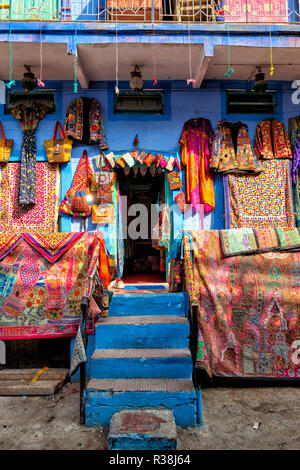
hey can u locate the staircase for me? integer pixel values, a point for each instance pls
(142, 358)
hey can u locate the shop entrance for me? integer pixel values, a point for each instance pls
(143, 264)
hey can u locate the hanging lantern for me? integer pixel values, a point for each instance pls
(260, 85)
(135, 171)
(126, 171)
(136, 81)
(29, 80)
(152, 171)
(143, 170)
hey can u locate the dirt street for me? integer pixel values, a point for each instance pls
(52, 423)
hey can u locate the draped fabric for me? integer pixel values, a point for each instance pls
(248, 310)
(195, 142)
(41, 298)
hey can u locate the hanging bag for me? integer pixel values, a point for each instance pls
(103, 214)
(58, 150)
(5, 146)
(75, 201)
(161, 232)
(174, 180)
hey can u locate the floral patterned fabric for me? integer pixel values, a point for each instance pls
(248, 310)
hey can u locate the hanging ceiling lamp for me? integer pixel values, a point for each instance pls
(260, 85)
(136, 81)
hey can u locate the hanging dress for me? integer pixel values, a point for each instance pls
(29, 119)
(196, 141)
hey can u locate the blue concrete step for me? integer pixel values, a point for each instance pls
(106, 397)
(155, 331)
(123, 304)
(141, 363)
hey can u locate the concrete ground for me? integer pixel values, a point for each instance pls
(52, 423)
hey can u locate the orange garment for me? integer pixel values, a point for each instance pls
(196, 142)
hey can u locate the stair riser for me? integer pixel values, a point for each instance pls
(159, 304)
(101, 405)
(173, 335)
(126, 368)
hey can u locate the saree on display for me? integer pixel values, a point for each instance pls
(43, 279)
(40, 217)
(248, 306)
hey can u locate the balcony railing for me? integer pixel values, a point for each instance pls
(185, 11)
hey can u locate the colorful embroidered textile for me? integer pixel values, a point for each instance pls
(42, 299)
(84, 123)
(82, 182)
(296, 193)
(271, 140)
(42, 217)
(8, 241)
(260, 201)
(244, 241)
(29, 119)
(195, 141)
(232, 150)
(248, 310)
(52, 245)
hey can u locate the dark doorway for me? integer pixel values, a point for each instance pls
(142, 262)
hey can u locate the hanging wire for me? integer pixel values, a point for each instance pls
(190, 79)
(40, 79)
(75, 84)
(154, 57)
(272, 68)
(230, 69)
(117, 91)
(11, 82)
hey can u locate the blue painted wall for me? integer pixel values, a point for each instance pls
(159, 133)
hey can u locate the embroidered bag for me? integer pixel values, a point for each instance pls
(58, 150)
(142, 156)
(149, 159)
(110, 159)
(5, 146)
(75, 202)
(174, 180)
(120, 161)
(181, 201)
(128, 159)
(104, 194)
(103, 214)
(161, 232)
(171, 163)
(160, 160)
